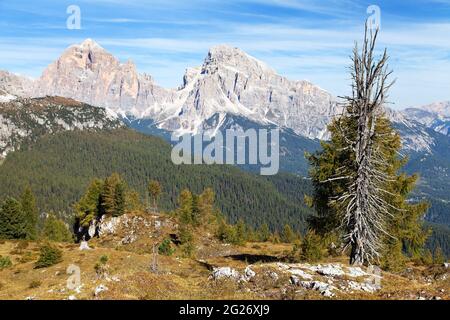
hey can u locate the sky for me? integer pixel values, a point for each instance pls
(301, 39)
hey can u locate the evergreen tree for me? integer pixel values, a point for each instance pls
(288, 235)
(108, 195)
(438, 257)
(88, 207)
(359, 191)
(13, 222)
(119, 199)
(29, 208)
(56, 230)
(186, 207)
(264, 233)
(154, 191)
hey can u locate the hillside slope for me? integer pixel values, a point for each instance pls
(59, 167)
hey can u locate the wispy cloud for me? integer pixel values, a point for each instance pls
(300, 39)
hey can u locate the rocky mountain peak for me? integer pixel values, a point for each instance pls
(225, 56)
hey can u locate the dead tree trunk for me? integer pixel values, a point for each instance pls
(364, 208)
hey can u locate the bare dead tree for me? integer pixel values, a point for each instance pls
(363, 205)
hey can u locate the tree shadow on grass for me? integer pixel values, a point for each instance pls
(253, 258)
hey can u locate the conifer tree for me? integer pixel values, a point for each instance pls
(154, 191)
(119, 199)
(359, 192)
(288, 235)
(88, 207)
(13, 222)
(55, 230)
(264, 233)
(30, 210)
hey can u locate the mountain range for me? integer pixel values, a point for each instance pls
(229, 89)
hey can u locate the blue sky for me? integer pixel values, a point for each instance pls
(301, 39)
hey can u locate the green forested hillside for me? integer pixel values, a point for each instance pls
(59, 167)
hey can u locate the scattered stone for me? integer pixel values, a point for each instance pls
(356, 272)
(99, 289)
(283, 266)
(273, 275)
(446, 265)
(92, 229)
(224, 272)
(324, 288)
(301, 273)
(109, 226)
(72, 298)
(30, 298)
(129, 238)
(84, 245)
(249, 273)
(329, 270)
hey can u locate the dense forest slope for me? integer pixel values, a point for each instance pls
(59, 167)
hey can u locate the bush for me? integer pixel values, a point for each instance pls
(49, 256)
(438, 257)
(104, 259)
(5, 262)
(312, 247)
(101, 267)
(165, 248)
(35, 284)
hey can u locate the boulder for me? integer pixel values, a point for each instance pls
(99, 289)
(224, 272)
(249, 273)
(84, 245)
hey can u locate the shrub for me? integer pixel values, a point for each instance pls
(5, 262)
(101, 267)
(438, 257)
(165, 248)
(427, 257)
(312, 247)
(35, 284)
(104, 259)
(26, 257)
(22, 245)
(49, 256)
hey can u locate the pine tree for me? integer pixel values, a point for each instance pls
(206, 205)
(13, 222)
(108, 195)
(288, 235)
(88, 207)
(264, 233)
(29, 208)
(154, 191)
(55, 230)
(359, 192)
(119, 199)
(186, 207)
(438, 257)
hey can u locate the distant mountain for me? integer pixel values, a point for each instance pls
(230, 89)
(23, 120)
(435, 116)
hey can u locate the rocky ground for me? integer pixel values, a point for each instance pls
(219, 271)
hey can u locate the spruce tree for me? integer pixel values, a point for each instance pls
(119, 199)
(88, 207)
(30, 210)
(13, 222)
(154, 191)
(55, 230)
(359, 190)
